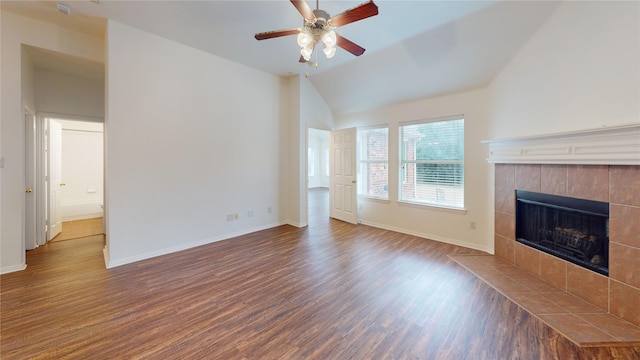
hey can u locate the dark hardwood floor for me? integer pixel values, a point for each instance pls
(328, 291)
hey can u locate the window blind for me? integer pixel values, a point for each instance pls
(432, 163)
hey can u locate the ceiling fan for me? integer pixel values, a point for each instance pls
(318, 27)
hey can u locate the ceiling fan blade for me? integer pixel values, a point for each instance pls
(350, 46)
(357, 13)
(276, 33)
(304, 9)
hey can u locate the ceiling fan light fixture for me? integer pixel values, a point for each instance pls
(329, 38)
(318, 27)
(304, 38)
(307, 50)
(329, 51)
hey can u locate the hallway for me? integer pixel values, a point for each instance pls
(75, 229)
(318, 205)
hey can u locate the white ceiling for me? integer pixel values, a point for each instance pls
(415, 49)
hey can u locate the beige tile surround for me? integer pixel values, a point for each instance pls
(618, 294)
(582, 323)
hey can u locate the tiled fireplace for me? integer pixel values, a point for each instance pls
(619, 185)
(576, 230)
(601, 165)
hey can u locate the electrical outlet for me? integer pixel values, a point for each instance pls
(472, 225)
(236, 216)
(65, 9)
(229, 217)
(250, 213)
(269, 210)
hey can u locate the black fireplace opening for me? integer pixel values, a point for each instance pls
(572, 229)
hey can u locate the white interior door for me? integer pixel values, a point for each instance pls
(344, 197)
(31, 241)
(54, 153)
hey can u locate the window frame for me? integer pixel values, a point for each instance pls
(361, 181)
(402, 162)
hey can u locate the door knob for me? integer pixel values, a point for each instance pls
(62, 184)
(28, 190)
(353, 181)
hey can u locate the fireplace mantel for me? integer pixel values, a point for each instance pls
(619, 145)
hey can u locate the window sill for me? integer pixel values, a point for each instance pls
(433, 206)
(373, 198)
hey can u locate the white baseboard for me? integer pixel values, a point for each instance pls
(82, 217)
(114, 263)
(442, 239)
(80, 210)
(296, 223)
(13, 268)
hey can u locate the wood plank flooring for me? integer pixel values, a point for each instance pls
(328, 291)
(80, 228)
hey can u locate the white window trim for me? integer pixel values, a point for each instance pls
(401, 153)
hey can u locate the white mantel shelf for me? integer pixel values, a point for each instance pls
(619, 145)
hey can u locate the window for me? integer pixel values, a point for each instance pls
(311, 162)
(432, 162)
(373, 170)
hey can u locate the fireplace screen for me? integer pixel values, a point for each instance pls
(572, 229)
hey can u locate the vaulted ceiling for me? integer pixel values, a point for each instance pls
(415, 49)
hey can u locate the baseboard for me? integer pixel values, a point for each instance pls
(82, 217)
(13, 268)
(80, 210)
(296, 223)
(442, 239)
(115, 263)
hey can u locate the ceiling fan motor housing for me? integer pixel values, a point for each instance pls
(321, 21)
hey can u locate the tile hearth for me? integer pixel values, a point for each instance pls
(582, 323)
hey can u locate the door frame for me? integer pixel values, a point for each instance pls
(346, 177)
(53, 187)
(41, 165)
(32, 192)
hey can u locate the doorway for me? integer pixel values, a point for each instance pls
(61, 87)
(318, 176)
(75, 173)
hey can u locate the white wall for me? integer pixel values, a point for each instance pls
(318, 140)
(307, 110)
(82, 170)
(438, 224)
(27, 78)
(69, 95)
(296, 176)
(579, 71)
(15, 31)
(191, 138)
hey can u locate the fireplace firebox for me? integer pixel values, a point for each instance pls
(573, 229)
